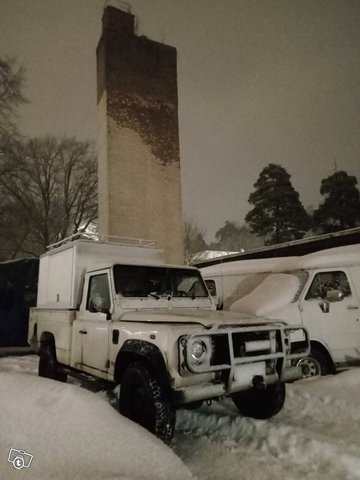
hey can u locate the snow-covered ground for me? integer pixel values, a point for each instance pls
(72, 433)
(316, 436)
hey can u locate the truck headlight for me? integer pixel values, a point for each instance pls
(198, 351)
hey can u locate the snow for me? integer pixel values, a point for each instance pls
(315, 436)
(211, 254)
(73, 433)
(332, 257)
(261, 301)
(243, 266)
(329, 258)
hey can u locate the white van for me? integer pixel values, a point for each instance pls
(320, 290)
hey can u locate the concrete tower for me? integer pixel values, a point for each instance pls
(139, 161)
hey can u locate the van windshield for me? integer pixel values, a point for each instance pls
(156, 282)
(276, 291)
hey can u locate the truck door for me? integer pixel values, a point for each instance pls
(330, 311)
(91, 330)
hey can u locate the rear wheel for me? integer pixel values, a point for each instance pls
(48, 366)
(261, 404)
(145, 400)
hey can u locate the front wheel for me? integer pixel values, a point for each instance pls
(261, 404)
(145, 400)
(315, 364)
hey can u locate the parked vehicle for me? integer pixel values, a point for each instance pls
(319, 290)
(18, 290)
(117, 314)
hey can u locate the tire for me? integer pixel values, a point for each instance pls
(261, 404)
(48, 366)
(145, 400)
(315, 364)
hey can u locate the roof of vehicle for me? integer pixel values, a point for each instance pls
(331, 258)
(104, 265)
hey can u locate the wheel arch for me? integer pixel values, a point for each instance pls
(315, 345)
(141, 350)
(47, 338)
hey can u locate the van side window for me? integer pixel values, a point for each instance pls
(325, 281)
(99, 295)
(211, 285)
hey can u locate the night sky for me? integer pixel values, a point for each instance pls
(259, 82)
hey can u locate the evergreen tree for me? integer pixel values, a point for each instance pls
(278, 215)
(341, 206)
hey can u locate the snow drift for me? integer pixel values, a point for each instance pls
(75, 434)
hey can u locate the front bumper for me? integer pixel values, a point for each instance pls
(240, 358)
(208, 391)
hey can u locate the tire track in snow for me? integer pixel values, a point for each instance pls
(287, 438)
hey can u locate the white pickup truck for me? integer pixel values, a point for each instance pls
(118, 314)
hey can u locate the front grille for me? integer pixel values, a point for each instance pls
(221, 354)
(248, 344)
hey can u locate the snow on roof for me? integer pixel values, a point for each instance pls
(210, 254)
(330, 258)
(242, 266)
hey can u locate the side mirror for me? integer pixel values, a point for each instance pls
(94, 308)
(334, 295)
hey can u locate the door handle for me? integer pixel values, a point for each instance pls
(325, 307)
(83, 332)
(352, 307)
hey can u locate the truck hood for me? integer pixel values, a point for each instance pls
(207, 318)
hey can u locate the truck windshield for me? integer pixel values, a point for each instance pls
(147, 281)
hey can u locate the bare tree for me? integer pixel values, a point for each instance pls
(12, 81)
(48, 188)
(194, 241)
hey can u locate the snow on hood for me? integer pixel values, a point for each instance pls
(75, 434)
(207, 318)
(274, 293)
